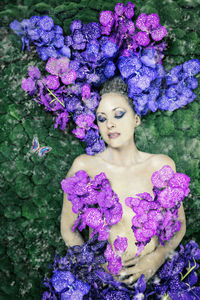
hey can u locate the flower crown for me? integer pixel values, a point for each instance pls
(78, 65)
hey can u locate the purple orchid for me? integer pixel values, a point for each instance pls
(149, 25)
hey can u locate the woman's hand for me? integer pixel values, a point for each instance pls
(147, 265)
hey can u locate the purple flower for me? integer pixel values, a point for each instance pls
(106, 18)
(85, 120)
(57, 66)
(46, 23)
(68, 77)
(34, 72)
(149, 24)
(52, 82)
(79, 133)
(93, 217)
(161, 177)
(109, 49)
(29, 85)
(191, 67)
(86, 91)
(120, 244)
(61, 280)
(62, 120)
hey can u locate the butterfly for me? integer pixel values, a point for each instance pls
(40, 150)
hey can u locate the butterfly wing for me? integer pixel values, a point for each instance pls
(35, 144)
(43, 150)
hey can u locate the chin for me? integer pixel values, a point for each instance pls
(116, 143)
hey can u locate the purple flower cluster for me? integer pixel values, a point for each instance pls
(158, 216)
(98, 207)
(180, 83)
(114, 257)
(47, 36)
(151, 88)
(97, 52)
(79, 275)
(57, 94)
(177, 277)
(121, 29)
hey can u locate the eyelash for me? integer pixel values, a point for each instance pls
(117, 117)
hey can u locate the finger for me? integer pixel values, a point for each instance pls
(130, 262)
(129, 271)
(130, 281)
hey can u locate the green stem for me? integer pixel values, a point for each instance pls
(190, 270)
(54, 97)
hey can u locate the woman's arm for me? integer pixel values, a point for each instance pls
(67, 216)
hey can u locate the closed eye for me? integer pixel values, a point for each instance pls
(101, 119)
(119, 115)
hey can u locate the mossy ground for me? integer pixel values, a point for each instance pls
(31, 195)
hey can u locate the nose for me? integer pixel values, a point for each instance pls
(110, 123)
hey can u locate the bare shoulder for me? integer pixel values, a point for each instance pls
(160, 160)
(81, 162)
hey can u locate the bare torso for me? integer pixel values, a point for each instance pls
(126, 182)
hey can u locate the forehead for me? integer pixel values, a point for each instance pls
(109, 101)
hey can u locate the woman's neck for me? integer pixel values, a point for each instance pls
(123, 156)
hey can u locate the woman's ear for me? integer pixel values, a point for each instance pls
(137, 120)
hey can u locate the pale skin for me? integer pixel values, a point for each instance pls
(129, 172)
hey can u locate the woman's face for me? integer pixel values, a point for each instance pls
(116, 120)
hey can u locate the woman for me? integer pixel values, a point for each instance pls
(129, 172)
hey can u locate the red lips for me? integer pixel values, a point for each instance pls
(113, 135)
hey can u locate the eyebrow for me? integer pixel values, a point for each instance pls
(112, 110)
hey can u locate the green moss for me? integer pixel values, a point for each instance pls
(41, 175)
(12, 212)
(30, 186)
(29, 211)
(23, 186)
(165, 126)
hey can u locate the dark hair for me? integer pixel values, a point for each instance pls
(116, 85)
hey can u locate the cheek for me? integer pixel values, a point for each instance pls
(101, 128)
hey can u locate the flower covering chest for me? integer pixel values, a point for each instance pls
(98, 207)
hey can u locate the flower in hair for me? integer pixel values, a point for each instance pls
(78, 64)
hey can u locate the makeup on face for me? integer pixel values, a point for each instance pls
(115, 119)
